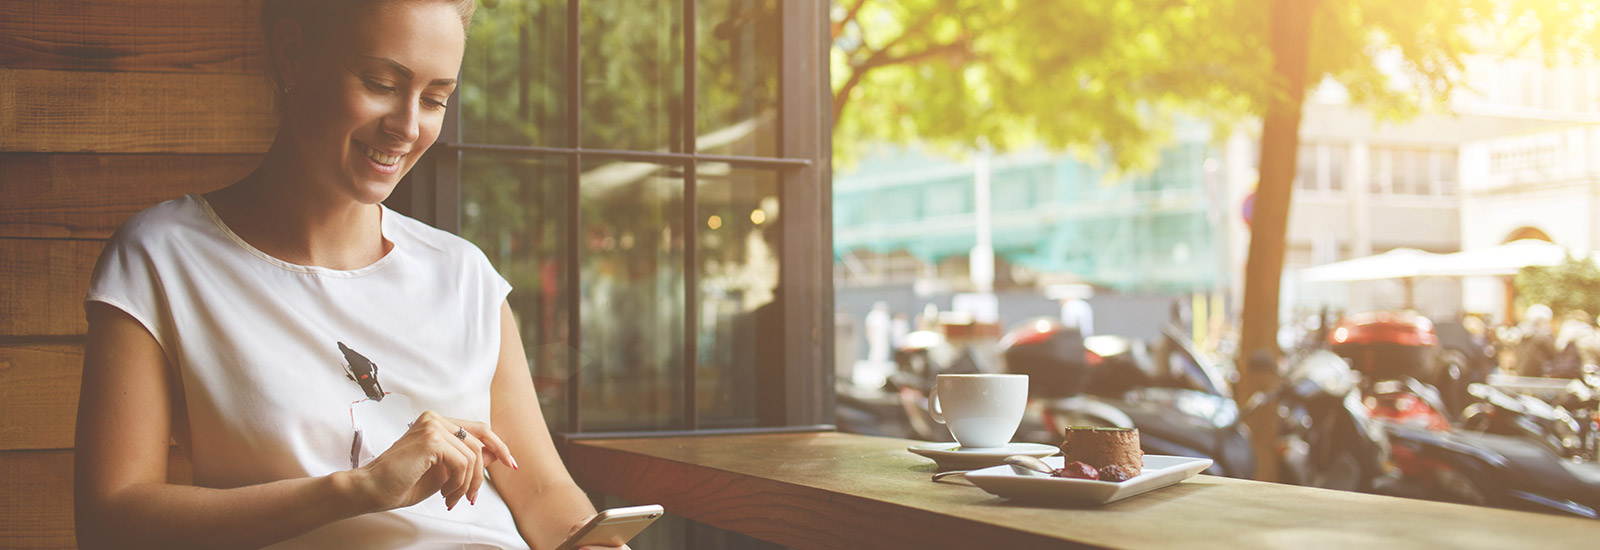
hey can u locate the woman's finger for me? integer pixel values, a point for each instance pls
(458, 457)
(477, 469)
(491, 441)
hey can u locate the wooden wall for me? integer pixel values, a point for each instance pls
(106, 107)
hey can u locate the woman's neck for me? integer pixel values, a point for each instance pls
(292, 217)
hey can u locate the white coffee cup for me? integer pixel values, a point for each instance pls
(982, 410)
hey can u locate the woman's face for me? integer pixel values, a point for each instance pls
(370, 98)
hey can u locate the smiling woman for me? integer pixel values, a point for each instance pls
(330, 367)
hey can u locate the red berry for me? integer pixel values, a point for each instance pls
(1078, 470)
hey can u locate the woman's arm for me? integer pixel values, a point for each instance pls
(122, 498)
(545, 501)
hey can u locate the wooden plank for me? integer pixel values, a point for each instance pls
(88, 196)
(39, 395)
(36, 497)
(42, 285)
(833, 490)
(28, 517)
(80, 111)
(133, 35)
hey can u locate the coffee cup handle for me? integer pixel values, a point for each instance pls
(934, 409)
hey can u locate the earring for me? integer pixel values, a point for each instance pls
(287, 89)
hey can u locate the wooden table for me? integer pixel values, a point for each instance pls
(832, 490)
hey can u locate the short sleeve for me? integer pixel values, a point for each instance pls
(126, 277)
(496, 285)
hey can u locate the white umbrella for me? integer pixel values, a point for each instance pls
(1399, 263)
(1505, 259)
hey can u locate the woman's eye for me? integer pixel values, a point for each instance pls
(379, 87)
(433, 103)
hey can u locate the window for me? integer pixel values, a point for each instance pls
(1338, 155)
(1410, 173)
(652, 178)
(1306, 168)
(1447, 161)
(1379, 162)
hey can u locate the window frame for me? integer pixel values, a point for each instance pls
(802, 394)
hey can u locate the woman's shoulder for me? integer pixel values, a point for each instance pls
(449, 246)
(158, 223)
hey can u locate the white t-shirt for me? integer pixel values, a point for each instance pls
(272, 394)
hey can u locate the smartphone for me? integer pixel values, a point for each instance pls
(614, 527)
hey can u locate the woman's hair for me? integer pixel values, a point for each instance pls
(318, 17)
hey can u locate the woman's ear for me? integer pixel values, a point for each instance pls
(287, 50)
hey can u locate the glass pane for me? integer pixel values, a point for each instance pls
(1378, 168)
(1447, 173)
(1306, 167)
(631, 263)
(1338, 156)
(738, 46)
(1410, 172)
(513, 88)
(515, 210)
(741, 323)
(632, 72)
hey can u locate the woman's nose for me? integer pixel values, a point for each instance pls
(402, 122)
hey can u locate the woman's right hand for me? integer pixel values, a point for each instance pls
(430, 459)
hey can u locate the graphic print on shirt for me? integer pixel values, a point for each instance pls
(362, 371)
(378, 420)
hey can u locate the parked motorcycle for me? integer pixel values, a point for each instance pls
(1430, 458)
(1176, 397)
(1326, 436)
(899, 408)
(1567, 426)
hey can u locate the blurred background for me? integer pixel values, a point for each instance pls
(1343, 243)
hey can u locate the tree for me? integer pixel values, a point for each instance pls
(1573, 285)
(1102, 78)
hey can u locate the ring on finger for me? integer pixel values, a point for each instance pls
(461, 433)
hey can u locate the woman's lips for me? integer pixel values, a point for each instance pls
(381, 161)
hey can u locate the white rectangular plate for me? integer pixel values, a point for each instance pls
(1159, 471)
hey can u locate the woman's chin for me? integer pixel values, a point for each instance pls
(372, 192)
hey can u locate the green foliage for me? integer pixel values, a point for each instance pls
(1100, 79)
(1103, 78)
(1574, 285)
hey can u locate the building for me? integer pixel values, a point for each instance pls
(1510, 162)
(908, 217)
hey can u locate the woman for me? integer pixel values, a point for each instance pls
(332, 368)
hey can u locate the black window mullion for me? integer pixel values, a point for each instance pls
(660, 157)
(691, 230)
(447, 170)
(574, 171)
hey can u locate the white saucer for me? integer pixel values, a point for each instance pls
(950, 456)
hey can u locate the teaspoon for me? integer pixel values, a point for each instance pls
(1021, 464)
(1026, 465)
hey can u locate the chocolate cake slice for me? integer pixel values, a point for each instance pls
(1102, 447)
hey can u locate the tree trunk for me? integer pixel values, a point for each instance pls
(1289, 28)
